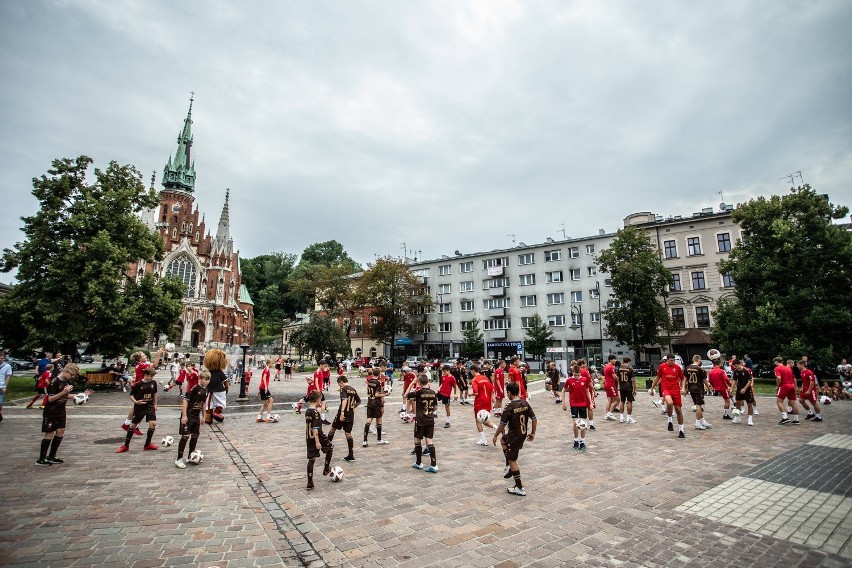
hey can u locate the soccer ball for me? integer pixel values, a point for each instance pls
(824, 400)
(294, 406)
(170, 346)
(168, 441)
(336, 473)
(714, 354)
(80, 398)
(736, 412)
(483, 416)
(388, 388)
(275, 417)
(196, 457)
(582, 424)
(694, 408)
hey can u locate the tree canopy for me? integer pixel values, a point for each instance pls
(472, 339)
(71, 267)
(268, 279)
(792, 271)
(539, 337)
(639, 280)
(319, 337)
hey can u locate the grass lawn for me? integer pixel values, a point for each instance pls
(22, 384)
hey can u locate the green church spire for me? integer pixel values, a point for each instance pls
(179, 173)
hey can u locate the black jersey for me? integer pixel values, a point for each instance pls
(196, 399)
(349, 399)
(625, 377)
(516, 417)
(56, 386)
(374, 387)
(312, 422)
(695, 377)
(144, 391)
(742, 378)
(425, 403)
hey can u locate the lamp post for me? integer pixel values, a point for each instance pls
(600, 317)
(243, 396)
(578, 312)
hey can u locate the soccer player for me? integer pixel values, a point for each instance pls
(612, 386)
(718, 379)
(809, 392)
(447, 390)
(315, 440)
(54, 417)
(516, 377)
(696, 382)
(345, 417)
(499, 387)
(786, 384)
(143, 395)
(191, 376)
(459, 373)
(584, 371)
(408, 378)
(626, 389)
(515, 421)
(671, 380)
(483, 399)
(141, 361)
(190, 417)
(314, 382)
(425, 402)
(745, 391)
(553, 381)
(41, 385)
(265, 395)
(375, 406)
(576, 392)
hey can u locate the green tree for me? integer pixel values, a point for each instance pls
(639, 280)
(398, 300)
(335, 289)
(71, 267)
(328, 253)
(268, 279)
(472, 340)
(793, 276)
(538, 338)
(319, 337)
(319, 264)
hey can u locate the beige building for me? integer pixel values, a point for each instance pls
(691, 248)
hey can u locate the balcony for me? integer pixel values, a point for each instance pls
(496, 313)
(496, 292)
(497, 334)
(495, 271)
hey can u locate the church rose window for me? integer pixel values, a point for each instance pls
(183, 269)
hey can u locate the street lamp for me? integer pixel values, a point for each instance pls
(600, 316)
(243, 396)
(578, 312)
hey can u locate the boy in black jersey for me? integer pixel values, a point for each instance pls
(696, 384)
(626, 389)
(345, 417)
(425, 402)
(143, 395)
(515, 420)
(190, 416)
(375, 406)
(53, 417)
(315, 440)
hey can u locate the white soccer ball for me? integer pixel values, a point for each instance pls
(582, 424)
(714, 354)
(294, 405)
(80, 399)
(694, 407)
(736, 412)
(196, 457)
(168, 441)
(275, 417)
(824, 400)
(170, 346)
(336, 473)
(483, 416)
(388, 388)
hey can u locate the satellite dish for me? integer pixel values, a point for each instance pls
(458, 253)
(722, 206)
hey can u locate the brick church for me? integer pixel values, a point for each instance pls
(217, 308)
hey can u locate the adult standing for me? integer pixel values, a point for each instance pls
(5, 377)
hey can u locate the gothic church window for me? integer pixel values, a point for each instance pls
(183, 269)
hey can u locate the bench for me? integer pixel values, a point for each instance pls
(99, 380)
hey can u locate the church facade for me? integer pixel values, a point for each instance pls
(217, 309)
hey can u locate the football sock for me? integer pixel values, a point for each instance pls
(795, 418)
(127, 422)
(54, 445)
(670, 419)
(182, 446)
(680, 427)
(819, 415)
(328, 457)
(784, 416)
(418, 453)
(331, 436)
(366, 430)
(310, 471)
(192, 442)
(128, 437)
(432, 455)
(591, 422)
(44, 445)
(350, 442)
(622, 416)
(517, 475)
(149, 436)
(322, 415)
(725, 412)
(379, 431)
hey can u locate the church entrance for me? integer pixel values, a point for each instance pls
(198, 334)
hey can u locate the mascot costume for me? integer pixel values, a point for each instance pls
(215, 361)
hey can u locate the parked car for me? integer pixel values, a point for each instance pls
(21, 364)
(87, 359)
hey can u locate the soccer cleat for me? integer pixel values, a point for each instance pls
(784, 421)
(481, 443)
(30, 405)
(671, 427)
(736, 420)
(681, 435)
(326, 422)
(576, 445)
(125, 427)
(631, 420)
(43, 461)
(122, 449)
(514, 490)
(700, 427)
(796, 422)
(349, 458)
(592, 427)
(364, 444)
(310, 486)
(662, 411)
(431, 469)
(750, 421)
(179, 464)
(54, 460)
(383, 442)
(446, 425)
(726, 417)
(609, 416)
(707, 425)
(557, 400)
(582, 447)
(137, 432)
(259, 419)
(756, 413)
(621, 419)
(417, 466)
(818, 419)
(327, 469)
(151, 447)
(655, 403)
(507, 473)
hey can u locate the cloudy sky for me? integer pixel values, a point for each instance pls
(442, 125)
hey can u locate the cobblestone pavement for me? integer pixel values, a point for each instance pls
(638, 497)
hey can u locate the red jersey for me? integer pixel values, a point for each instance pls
(447, 384)
(670, 377)
(499, 377)
(43, 380)
(515, 377)
(482, 390)
(584, 372)
(808, 381)
(407, 378)
(139, 373)
(326, 374)
(609, 375)
(191, 379)
(718, 379)
(785, 373)
(264, 379)
(578, 391)
(315, 383)
(181, 376)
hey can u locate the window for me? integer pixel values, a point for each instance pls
(527, 301)
(466, 286)
(693, 246)
(592, 270)
(674, 285)
(595, 317)
(183, 269)
(590, 249)
(467, 324)
(494, 303)
(670, 248)
(445, 308)
(556, 321)
(467, 305)
(528, 258)
(594, 293)
(525, 322)
(558, 298)
(527, 279)
(492, 283)
(577, 296)
(678, 319)
(421, 272)
(492, 262)
(497, 324)
(555, 276)
(466, 267)
(573, 252)
(723, 241)
(702, 316)
(698, 280)
(727, 281)
(372, 352)
(444, 288)
(576, 319)
(359, 325)
(552, 255)
(444, 270)
(374, 320)
(607, 281)
(575, 274)
(445, 326)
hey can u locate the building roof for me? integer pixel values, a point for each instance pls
(694, 336)
(245, 297)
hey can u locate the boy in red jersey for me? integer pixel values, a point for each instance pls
(265, 396)
(611, 387)
(408, 378)
(576, 391)
(809, 392)
(41, 385)
(446, 391)
(786, 384)
(499, 387)
(516, 377)
(721, 385)
(672, 385)
(483, 399)
(179, 380)
(584, 371)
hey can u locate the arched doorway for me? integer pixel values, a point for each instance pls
(178, 339)
(198, 334)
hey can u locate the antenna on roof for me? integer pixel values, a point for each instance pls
(404, 252)
(514, 240)
(564, 234)
(792, 177)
